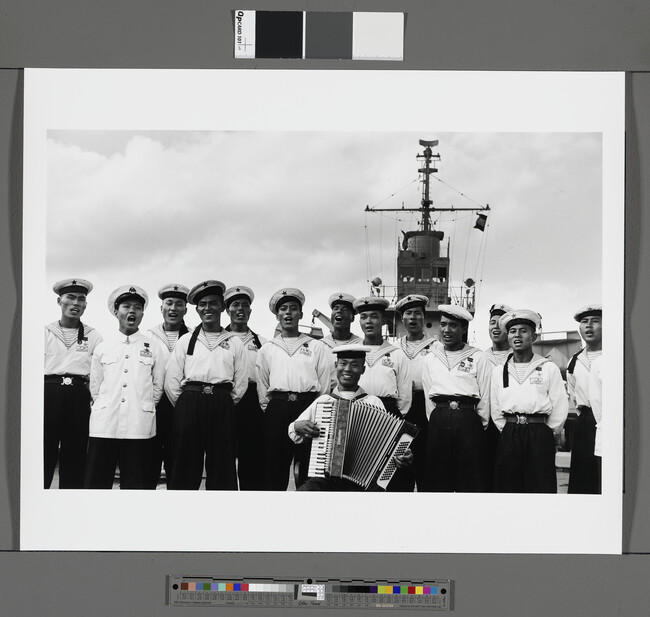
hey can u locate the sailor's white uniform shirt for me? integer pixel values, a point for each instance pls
(310, 412)
(332, 343)
(468, 374)
(578, 381)
(415, 352)
(251, 353)
(126, 382)
(225, 364)
(497, 358)
(387, 375)
(73, 359)
(159, 334)
(303, 367)
(541, 391)
(596, 400)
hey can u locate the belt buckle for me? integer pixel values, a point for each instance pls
(522, 419)
(293, 397)
(207, 390)
(453, 405)
(66, 381)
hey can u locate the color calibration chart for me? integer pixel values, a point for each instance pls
(310, 593)
(319, 35)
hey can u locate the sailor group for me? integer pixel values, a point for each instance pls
(224, 406)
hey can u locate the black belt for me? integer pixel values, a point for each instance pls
(585, 409)
(206, 388)
(455, 402)
(67, 380)
(276, 395)
(523, 418)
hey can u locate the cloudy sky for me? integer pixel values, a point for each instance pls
(274, 209)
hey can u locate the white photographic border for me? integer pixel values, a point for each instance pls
(276, 100)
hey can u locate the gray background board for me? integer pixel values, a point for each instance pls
(583, 35)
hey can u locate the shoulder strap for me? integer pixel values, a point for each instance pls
(506, 380)
(572, 364)
(183, 329)
(195, 335)
(80, 333)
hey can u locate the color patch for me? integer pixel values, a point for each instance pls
(328, 35)
(319, 35)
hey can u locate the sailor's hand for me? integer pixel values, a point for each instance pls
(405, 460)
(306, 428)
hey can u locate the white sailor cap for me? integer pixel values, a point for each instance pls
(173, 290)
(355, 350)
(126, 292)
(370, 303)
(500, 309)
(589, 310)
(283, 295)
(240, 291)
(72, 286)
(453, 311)
(520, 316)
(206, 288)
(340, 297)
(412, 301)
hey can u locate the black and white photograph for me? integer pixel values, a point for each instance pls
(232, 264)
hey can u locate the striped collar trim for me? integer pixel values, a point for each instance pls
(302, 340)
(56, 330)
(331, 342)
(459, 356)
(360, 393)
(224, 335)
(532, 367)
(414, 350)
(373, 356)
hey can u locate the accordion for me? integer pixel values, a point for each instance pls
(358, 442)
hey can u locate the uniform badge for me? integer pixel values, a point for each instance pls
(251, 347)
(305, 349)
(83, 347)
(465, 366)
(386, 361)
(146, 352)
(536, 377)
(425, 351)
(225, 345)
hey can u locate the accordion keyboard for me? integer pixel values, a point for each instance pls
(321, 445)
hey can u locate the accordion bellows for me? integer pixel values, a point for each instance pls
(358, 442)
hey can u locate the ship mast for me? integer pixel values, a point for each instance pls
(426, 204)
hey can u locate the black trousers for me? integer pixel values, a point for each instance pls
(65, 434)
(203, 430)
(250, 441)
(417, 415)
(455, 451)
(492, 435)
(585, 473)
(133, 457)
(526, 459)
(404, 480)
(162, 454)
(280, 449)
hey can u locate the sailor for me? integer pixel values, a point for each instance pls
(350, 365)
(529, 406)
(456, 382)
(585, 473)
(292, 370)
(206, 377)
(387, 372)
(341, 305)
(69, 347)
(126, 382)
(173, 308)
(250, 418)
(416, 345)
(496, 354)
